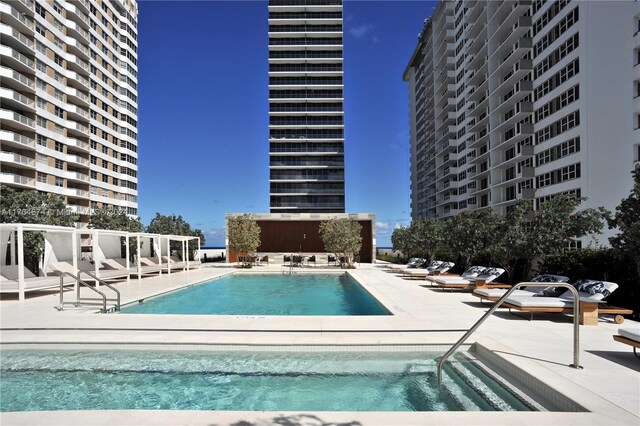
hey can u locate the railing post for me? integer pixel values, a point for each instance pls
(496, 305)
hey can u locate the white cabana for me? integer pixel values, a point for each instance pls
(107, 244)
(165, 247)
(60, 245)
(148, 247)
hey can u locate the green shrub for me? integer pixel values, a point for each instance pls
(599, 264)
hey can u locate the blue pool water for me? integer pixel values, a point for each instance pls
(34, 380)
(267, 294)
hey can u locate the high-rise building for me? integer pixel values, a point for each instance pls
(306, 106)
(524, 100)
(69, 101)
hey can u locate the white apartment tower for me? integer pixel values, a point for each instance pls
(69, 101)
(524, 100)
(306, 106)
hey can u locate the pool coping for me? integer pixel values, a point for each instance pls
(549, 386)
(424, 315)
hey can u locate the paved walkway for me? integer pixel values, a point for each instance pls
(421, 315)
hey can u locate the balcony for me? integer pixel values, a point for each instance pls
(16, 101)
(13, 79)
(74, 46)
(16, 19)
(78, 96)
(79, 209)
(77, 113)
(16, 120)
(76, 64)
(17, 160)
(78, 144)
(77, 176)
(16, 60)
(16, 140)
(78, 160)
(76, 30)
(77, 15)
(76, 192)
(14, 38)
(17, 180)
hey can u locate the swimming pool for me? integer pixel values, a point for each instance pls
(37, 380)
(266, 294)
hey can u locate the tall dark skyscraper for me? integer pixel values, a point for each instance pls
(306, 106)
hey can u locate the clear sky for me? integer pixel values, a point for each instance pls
(203, 110)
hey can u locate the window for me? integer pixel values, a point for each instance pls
(59, 95)
(94, 145)
(43, 158)
(105, 178)
(58, 77)
(59, 147)
(40, 121)
(57, 59)
(42, 104)
(59, 164)
(40, 66)
(105, 164)
(41, 30)
(42, 177)
(59, 182)
(58, 43)
(94, 174)
(57, 7)
(40, 10)
(59, 112)
(42, 141)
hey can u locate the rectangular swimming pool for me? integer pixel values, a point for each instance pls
(38, 380)
(266, 294)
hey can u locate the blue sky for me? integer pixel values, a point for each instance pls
(203, 110)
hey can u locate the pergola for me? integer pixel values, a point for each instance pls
(60, 245)
(145, 250)
(106, 244)
(184, 242)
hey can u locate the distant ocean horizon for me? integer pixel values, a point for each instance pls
(213, 248)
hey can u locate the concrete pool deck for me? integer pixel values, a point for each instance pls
(421, 315)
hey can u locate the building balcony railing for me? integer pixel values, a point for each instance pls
(12, 178)
(9, 137)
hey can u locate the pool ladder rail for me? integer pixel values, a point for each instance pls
(89, 301)
(496, 305)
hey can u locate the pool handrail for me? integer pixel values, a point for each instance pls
(576, 324)
(104, 283)
(79, 282)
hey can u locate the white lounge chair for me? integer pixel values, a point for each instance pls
(121, 263)
(413, 263)
(485, 277)
(423, 273)
(493, 294)
(434, 264)
(9, 280)
(470, 272)
(591, 305)
(175, 262)
(104, 274)
(629, 336)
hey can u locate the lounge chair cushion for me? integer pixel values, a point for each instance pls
(499, 292)
(539, 302)
(630, 333)
(592, 287)
(11, 272)
(549, 278)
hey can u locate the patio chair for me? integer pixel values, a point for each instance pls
(175, 262)
(331, 259)
(629, 336)
(493, 294)
(482, 280)
(591, 301)
(311, 259)
(121, 263)
(153, 261)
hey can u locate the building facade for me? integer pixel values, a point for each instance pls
(69, 101)
(306, 106)
(524, 100)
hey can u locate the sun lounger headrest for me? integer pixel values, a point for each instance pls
(473, 270)
(593, 289)
(435, 263)
(492, 272)
(549, 278)
(416, 261)
(447, 265)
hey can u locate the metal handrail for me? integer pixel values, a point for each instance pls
(79, 281)
(104, 283)
(576, 324)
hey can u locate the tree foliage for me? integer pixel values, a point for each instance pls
(420, 239)
(243, 233)
(524, 234)
(468, 233)
(34, 207)
(343, 238)
(176, 225)
(627, 220)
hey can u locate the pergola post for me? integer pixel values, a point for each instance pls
(126, 239)
(138, 256)
(20, 263)
(96, 264)
(168, 255)
(74, 249)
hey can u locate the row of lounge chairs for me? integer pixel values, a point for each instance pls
(109, 270)
(481, 282)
